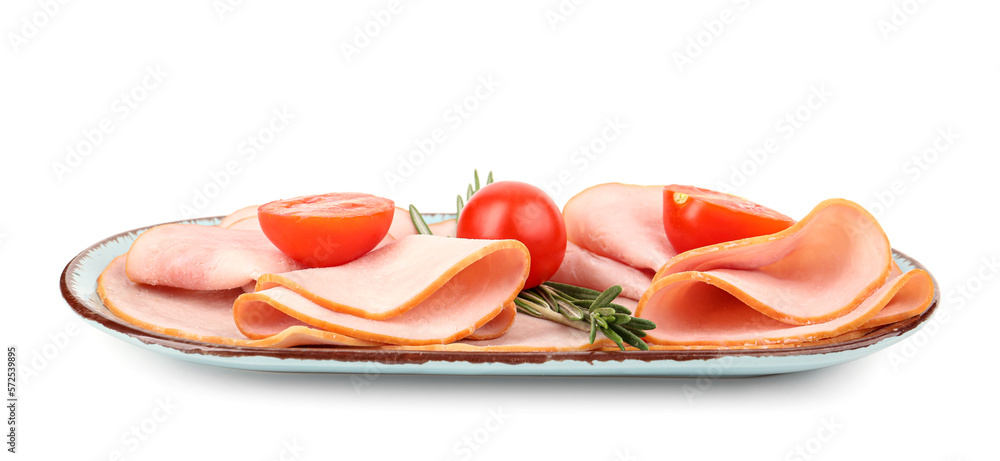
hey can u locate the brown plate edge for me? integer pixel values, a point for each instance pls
(420, 357)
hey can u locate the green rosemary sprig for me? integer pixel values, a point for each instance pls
(418, 219)
(587, 310)
(472, 189)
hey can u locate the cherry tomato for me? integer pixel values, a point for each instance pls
(694, 217)
(519, 211)
(326, 230)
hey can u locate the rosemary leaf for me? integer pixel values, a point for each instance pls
(489, 179)
(476, 174)
(569, 310)
(593, 330)
(607, 296)
(461, 204)
(641, 324)
(575, 291)
(418, 222)
(613, 336)
(527, 308)
(639, 333)
(630, 338)
(602, 311)
(621, 319)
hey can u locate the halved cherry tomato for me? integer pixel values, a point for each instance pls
(326, 230)
(519, 211)
(695, 217)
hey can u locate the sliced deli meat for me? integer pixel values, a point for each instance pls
(582, 268)
(248, 223)
(497, 327)
(823, 277)
(622, 222)
(526, 334)
(418, 290)
(196, 257)
(205, 316)
(239, 215)
(446, 228)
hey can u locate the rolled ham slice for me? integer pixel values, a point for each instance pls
(823, 277)
(196, 257)
(418, 290)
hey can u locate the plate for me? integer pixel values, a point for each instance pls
(78, 283)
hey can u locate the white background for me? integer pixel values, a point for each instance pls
(889, 90)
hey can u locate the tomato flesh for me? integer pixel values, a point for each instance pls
(329, 229)
(695, 217)
(519, 211)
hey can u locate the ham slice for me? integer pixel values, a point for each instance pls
(205, 316)
(402, 224)
(196, 257)
(823, 277)
(418, 290)
(527, 334)
(585, 269)
(247, 223)
(497, 327)
(239, 215)
(446, 228)
(620, 222)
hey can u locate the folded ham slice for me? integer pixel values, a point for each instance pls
(417, 290)
(239, 215)
(197, 257)
(205, 316)
(620, 222)
(527, 334)
(247, 223)
(825, 276)
(402, 224)
(582, 268)
(497, 327)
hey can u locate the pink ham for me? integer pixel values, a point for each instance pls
(198, 257)
(205, 316)
(446, 228)
(248, 223)
(418, 290)
(497, 327)
(402, 224)
(239, 215)
(527, 334)
(823, 277)
(585, 269)
(895, 311)
(620, 222)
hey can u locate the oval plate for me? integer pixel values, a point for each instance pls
(79, 287)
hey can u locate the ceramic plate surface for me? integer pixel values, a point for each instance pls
(79, 287)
